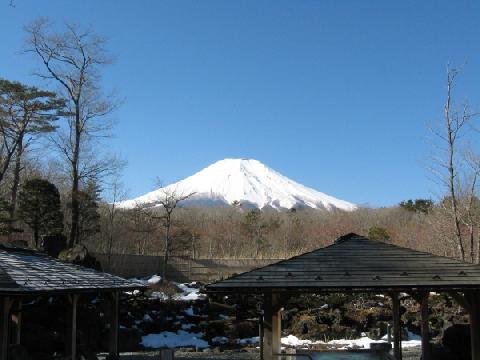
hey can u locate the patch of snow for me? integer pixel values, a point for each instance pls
(136, 292)
(223, 317)
(219, 340)
(247, 341)
(158, 295)
(292, 340)
(189, 293)
(187, 326)
(147, 317)
(173, 340)
(189, 311)
(361, 343)
(155, 279)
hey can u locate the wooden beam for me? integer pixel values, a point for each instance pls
(425, 328)
(397, 331)
(260, 334)
(6, 305)
(71, 338)
(272, 327)
(473, 298)
(17, 320)
(114, 325)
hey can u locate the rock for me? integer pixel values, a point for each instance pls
(18, 352)
(456, 338)
(129, 339)
(306, 326)
(242, 330)
(36, 337)
(54, 244)
(79, 255)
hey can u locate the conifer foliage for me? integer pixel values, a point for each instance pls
(39, 208)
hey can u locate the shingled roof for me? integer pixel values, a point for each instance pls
(24, 271)
(355, 263)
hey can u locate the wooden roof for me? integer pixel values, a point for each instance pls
(24, 271)
(355, 263)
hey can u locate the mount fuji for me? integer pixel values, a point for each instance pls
(246, 181)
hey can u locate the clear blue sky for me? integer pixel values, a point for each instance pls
(333, 94)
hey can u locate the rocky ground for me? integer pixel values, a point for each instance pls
(179, 315)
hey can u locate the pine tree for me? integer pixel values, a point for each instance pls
(89, 220)
(39, 208)
(25, 113)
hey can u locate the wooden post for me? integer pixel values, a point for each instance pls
(17, 321)
(425, 328)
(397, 332)
(260, 334)
(272, 327)
(71, 340)
(473, 298)
(114, 325)
(6, 304)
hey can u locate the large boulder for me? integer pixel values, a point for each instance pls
(79, 255)
(18, 352)
(53, 245)
(456, 339)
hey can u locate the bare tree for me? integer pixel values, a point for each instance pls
(471, 204)
(168, 201)
(117, 194)
(73, 60)
(141, 224)
(447, 168)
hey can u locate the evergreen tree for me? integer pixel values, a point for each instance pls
(419, 205)
(378, 233)
(89, 220)
(256, 228)
(39, 208)
(25, 113)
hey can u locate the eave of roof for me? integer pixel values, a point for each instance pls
(355, 263)
(24, 272)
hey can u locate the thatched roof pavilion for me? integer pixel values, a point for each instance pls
(357, 264)
(25, 272)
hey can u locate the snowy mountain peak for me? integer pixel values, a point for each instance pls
(247, 181)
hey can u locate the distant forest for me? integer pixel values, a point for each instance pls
(57, 180)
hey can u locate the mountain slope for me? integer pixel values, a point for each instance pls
(248, 181)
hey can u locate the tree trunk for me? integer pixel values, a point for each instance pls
(16, 182)
(167, 249)
(451, 135)
(74, 231)
(36, 236)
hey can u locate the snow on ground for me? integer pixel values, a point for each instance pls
(158, 295)
(189, 293)
(363, 342)
(219, 340)
(173, 340)
(247, 341)
(189, 311)
(155, 279)
(186, 291)
(292, 340)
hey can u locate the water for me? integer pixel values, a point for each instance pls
(345, 355)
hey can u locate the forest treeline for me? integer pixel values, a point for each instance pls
(235, 232)
(57, 181)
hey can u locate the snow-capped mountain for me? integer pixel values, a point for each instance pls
(247, 181)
